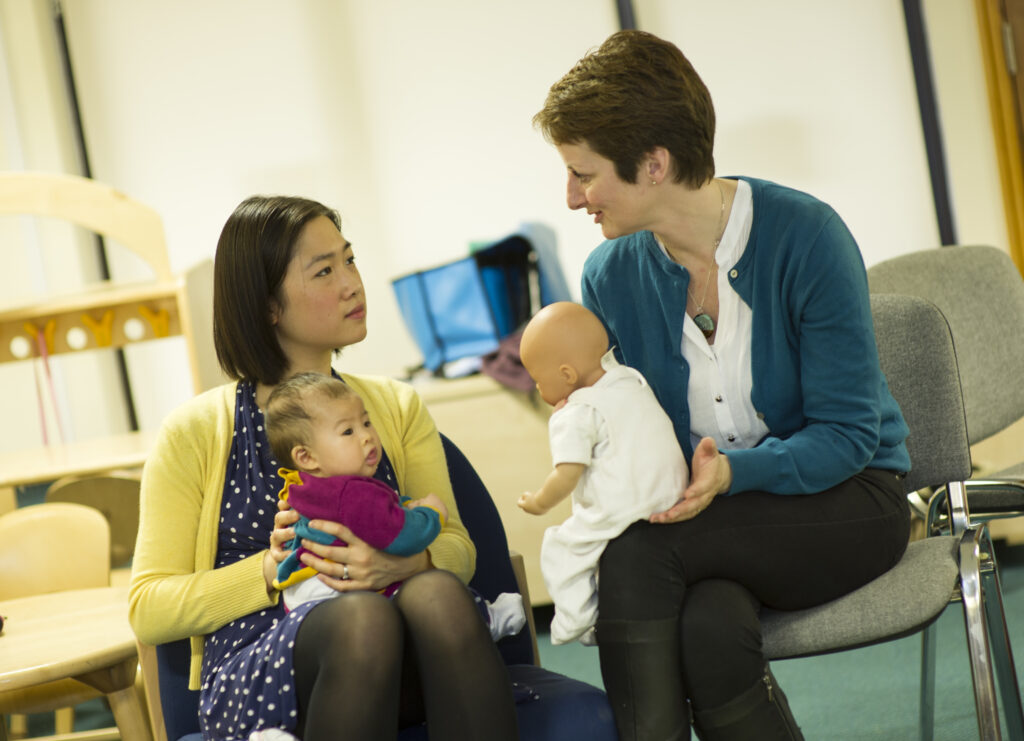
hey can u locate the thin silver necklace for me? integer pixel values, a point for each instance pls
(701, 318)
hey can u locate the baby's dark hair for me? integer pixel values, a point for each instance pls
(290, 408)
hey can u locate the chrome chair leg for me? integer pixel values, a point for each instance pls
(977, 637)
(1002, 653)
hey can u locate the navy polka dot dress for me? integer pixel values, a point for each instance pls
(248, 681)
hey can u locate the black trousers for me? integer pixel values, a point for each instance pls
(745, 550)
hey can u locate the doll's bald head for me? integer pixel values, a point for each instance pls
(561, 349)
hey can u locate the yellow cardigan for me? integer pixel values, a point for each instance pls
(175, 591)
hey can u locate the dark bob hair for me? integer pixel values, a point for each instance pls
(253, 253)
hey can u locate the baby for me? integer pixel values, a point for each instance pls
(320, 432)
(613, 447)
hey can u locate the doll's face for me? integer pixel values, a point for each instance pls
(344, 442)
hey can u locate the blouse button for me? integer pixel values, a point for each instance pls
(733, 273)
(718, 398)
(731, 438)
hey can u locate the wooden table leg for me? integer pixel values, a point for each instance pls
(118, 684)
(128, 715)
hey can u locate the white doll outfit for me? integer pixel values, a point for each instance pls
(634, 468)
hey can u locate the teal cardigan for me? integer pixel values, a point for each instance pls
(816, 379)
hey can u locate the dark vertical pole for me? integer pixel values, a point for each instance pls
(83, 154)
(929, 119)
(627, 18)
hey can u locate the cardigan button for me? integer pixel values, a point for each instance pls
(733, 273)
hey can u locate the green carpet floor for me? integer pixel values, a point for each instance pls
(864, 695)
(870, 694)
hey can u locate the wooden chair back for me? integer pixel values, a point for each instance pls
(116, 496)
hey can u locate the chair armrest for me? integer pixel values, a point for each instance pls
(519, 567)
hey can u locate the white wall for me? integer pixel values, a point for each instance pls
(413, 118)
(819, 96)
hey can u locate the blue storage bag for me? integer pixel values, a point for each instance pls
(465, 307)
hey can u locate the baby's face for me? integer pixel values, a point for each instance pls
(345, 443)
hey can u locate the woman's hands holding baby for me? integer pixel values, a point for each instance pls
(345, 568)
(280, 537)
(710, 475)
(356, 566)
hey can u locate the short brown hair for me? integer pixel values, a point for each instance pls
(253, 253)
(634, 93)
(289, 417)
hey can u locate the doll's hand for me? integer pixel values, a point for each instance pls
(431, 500)
(358, 565)
(529, 503)
(711, 475)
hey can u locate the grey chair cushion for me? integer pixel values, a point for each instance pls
(981, 294)
(877, 612)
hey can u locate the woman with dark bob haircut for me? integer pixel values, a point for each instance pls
(287, 295)
(745, 304)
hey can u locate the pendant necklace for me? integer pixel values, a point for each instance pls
(701, 318)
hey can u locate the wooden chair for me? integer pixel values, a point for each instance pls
(48, 548)
(116, 496)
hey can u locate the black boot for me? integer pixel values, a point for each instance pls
(643, 679)
(759, 714)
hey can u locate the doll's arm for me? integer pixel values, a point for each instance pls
(557, 486)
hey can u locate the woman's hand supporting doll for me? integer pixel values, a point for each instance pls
(711, 475)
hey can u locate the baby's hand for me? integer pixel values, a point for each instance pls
(431, 500)
(528, 502)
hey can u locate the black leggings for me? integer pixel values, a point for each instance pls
(366, 665)
(750, 549)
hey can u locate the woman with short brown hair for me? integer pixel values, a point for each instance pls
(745, 305)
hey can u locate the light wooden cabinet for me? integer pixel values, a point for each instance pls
(104, 316)
(504, 434)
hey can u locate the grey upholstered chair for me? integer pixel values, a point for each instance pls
(981, 294)
(916, 352)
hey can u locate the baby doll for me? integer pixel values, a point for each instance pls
(319, 427)
(613, 447)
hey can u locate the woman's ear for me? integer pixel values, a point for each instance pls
(658, 164)
(275, 312)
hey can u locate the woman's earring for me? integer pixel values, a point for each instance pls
(654, 182)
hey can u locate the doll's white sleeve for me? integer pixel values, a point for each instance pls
(576, 431)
